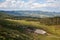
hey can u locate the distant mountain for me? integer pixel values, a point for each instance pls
(5, 15)
(40, 14)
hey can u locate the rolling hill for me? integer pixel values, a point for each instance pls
(39, 14)
(18, 27)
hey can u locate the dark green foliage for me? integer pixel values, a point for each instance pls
(50, 21)
(10, 30)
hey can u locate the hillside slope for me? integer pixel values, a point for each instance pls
(12, 28)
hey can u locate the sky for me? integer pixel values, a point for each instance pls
(42, 5)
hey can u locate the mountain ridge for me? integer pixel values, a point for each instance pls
(32, 13)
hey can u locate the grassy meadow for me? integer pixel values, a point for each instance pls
(13, 29)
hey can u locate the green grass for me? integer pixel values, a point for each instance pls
(52, 29)
(10, 28)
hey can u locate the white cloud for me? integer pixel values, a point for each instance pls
(20, 4)
(11, 4)
(38, 5)
(50, 0)
(31, 4)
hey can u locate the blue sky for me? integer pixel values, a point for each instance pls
(43, 5)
